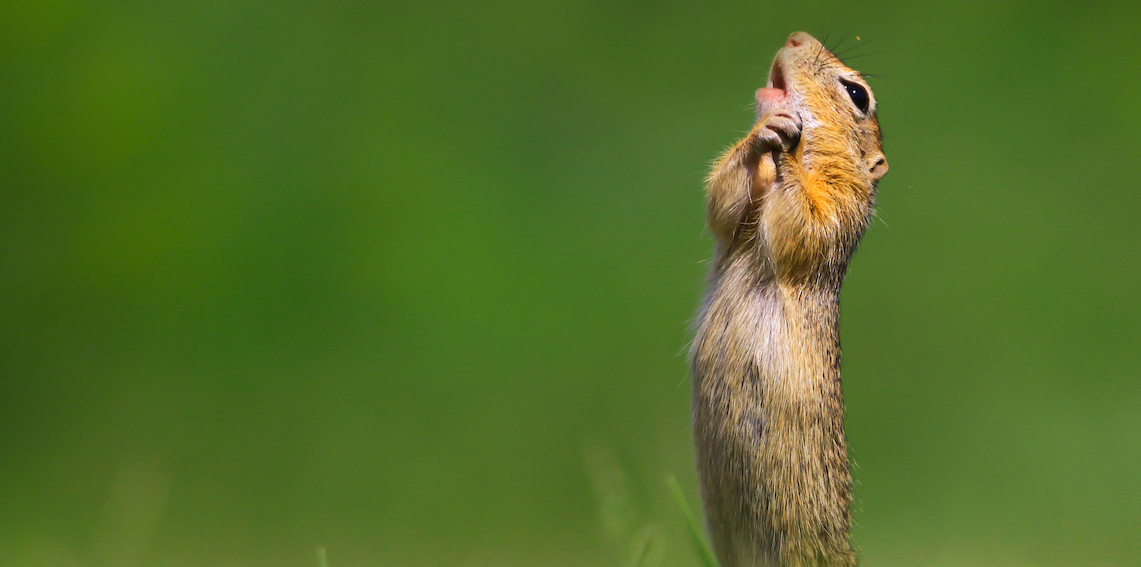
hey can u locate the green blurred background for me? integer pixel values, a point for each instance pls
(413, 282)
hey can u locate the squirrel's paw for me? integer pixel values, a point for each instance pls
(777, 130)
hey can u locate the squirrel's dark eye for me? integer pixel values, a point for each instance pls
(858, 94)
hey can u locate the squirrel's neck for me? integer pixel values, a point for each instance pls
(769, 419)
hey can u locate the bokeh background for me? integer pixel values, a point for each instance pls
(413, 282)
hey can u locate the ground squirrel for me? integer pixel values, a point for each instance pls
(787, 205)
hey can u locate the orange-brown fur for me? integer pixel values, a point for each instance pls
(787, 205)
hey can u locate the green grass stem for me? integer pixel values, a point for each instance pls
(703, 549)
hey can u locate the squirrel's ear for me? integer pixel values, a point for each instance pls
(878, 167)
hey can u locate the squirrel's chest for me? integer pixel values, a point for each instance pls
(756, 356)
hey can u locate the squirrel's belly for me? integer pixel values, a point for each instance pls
(771, 457)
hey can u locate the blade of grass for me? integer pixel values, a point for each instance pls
(642, 549)
(695, 531)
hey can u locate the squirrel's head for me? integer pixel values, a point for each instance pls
(839, 159)
(835, 104)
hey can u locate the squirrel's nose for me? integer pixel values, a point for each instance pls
(797, 39)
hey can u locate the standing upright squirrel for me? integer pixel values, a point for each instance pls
(787, 205)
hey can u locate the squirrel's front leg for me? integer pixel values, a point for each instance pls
(744, 173)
